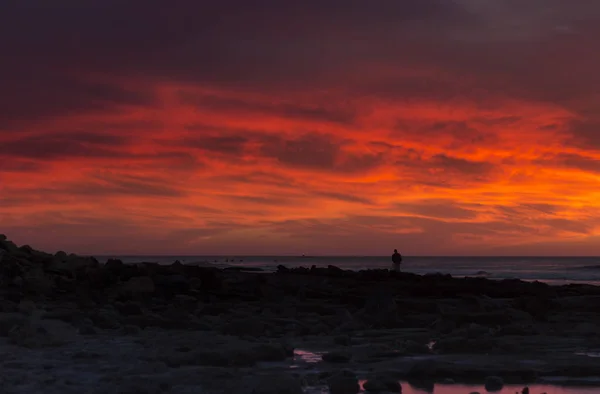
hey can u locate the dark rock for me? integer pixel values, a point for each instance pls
(87, 330)
(333, 270)
(376, 385)
(26, 249)
(337, 357)
(251, 326)
(281, 269)
(178, 267)
(380, 310)
(287, 348)
(343, 383)
(60, 255)
(9, 247)
(539, 307)
(10, 320)
(138, 287)
(114, 265)
(170, 285)
(270, 352)
(494, 383)
(462, 344)
(422, 385)
(105, 320)
(128, 308)
(65, 314)
(277, 384)
(36, 281)
(423, 369)
(130, 330)
(117, 269)
(343, 340)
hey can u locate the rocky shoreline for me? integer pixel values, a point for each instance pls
(71, 324)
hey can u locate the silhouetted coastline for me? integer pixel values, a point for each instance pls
(395, 326)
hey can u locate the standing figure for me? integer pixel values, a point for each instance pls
(396, 260)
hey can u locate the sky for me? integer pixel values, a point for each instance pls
(333, 127)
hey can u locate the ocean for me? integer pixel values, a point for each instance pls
(552, 270)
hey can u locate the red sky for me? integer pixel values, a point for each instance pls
(319, 127)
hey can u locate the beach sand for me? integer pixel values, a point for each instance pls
(71, 325)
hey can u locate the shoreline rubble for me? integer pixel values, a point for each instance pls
(227, 324)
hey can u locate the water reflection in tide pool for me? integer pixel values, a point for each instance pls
(312, 357)
(306, 356)
(509, 389)
(468, 389)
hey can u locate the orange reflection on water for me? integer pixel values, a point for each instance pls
(508, 389)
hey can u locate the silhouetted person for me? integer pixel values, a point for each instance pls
(396, 260)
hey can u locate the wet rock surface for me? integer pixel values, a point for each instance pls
(72, 325)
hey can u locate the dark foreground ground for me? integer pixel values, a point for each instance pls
(70, 324)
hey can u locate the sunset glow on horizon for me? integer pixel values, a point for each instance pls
(434, 127)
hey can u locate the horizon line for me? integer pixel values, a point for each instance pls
(332, 256)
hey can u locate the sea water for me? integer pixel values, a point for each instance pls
(554, 270)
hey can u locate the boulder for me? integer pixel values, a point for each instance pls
(8, 306)
(376, 385)
(226, 357)
(380, 310)
(251, 326)
(61, 256)
(105, 320)
(27, 307)
(187, 302)
(26, 249)
(117, 269)
(337, 357)
(128, 308)
(36, 281)
(277, 384)
(343, 383)
(464, 344)
(114, 265)
(138, 286)
(41, 333)
(9, 247)
(423, 369)
(270, 352)
(10, 320)
(142, 385)
(170, 285)
(17, 281)
(494, 383)
(87, 330)
(343, 340)
(130, 330)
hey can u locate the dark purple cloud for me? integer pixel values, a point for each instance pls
(100, 185)
(471, 52)
(63, 146)
(571, 161)
(238, 106)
